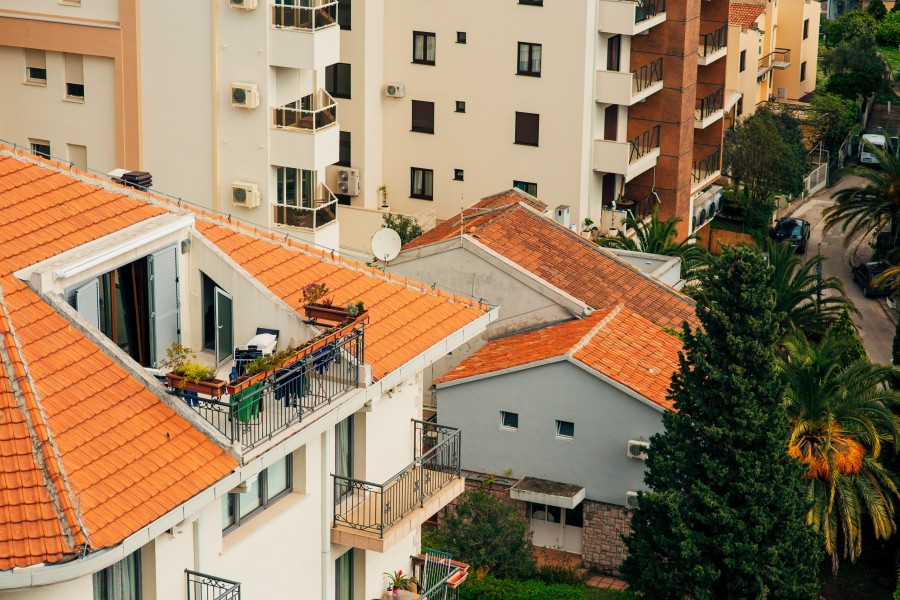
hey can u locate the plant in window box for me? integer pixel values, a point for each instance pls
(187, 374)
(397, 581)
(319, 308)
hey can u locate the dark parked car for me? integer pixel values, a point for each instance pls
(865, 274)
(793, 231)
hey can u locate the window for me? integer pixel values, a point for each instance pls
(529, 59)
(70, 2)
(565, 429)
(294, 187)
(271, 485)
(457, 174)
(423, 116)
(40, 147)
(344, 149)
(121, 581)
(805, 29)
(77, 155)
(613, 53)
(527, 187)
(740, 107)
(803, 71)
(743, 61)
(421, 183)
(545, 512)
(532, 2)
(343, 576)
(344, 11)
(460, 106)
(74, 76)
(527, 128)
(460, 37)
(337, 80)
(36, 66)
(423, 48)
(509, 420)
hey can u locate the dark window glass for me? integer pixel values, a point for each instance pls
(803, 71)
(460, 106)
(37, 74)
(805, 29)
(337, 80)
(740, 106)
(613, 53)
(529, 61)
(743, 61)
(423, 116)
(527, 187)
(457, 174)
(344, 11)
(121, 581)
(343, 576)
(460, 37)
(40, 149)
(424, 47)
(565, 429)
(421, 183)
(575, 516)
(75, 90)
(527, 128)
(532, 2)
(509, 419)
(344, 149)
(271, 484)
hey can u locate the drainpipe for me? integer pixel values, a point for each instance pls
(214, 57)
(326, 494)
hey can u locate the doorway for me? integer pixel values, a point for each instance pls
(217, 307)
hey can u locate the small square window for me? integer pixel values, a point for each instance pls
(460, 106)
(527, 187)
(424, 47)
(460, 37)
(457, 174)
(565, 429)
(509, 420)
(75, 90)
(421, 183)
(40, 148)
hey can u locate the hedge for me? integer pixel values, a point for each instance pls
(491, 588)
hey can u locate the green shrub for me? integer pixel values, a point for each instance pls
(491, 588)
(559, 573)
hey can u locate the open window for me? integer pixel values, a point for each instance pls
(218, 319)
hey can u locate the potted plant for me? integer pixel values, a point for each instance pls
(397, 581)
(319, 308)
(187, 374)
(382, 190)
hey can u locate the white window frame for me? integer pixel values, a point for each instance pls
(503, 425)
(561, 435)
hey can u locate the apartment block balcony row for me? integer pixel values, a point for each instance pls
(712, 46)
(629, 17)
(304, 37)
(627, 89)
(780, 58)
(709, 109)
(630, 158)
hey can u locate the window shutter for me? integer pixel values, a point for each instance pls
(75, 68)
(423, 116)
(35, 59)
(527, 128)
(87, 302)
(163, 275)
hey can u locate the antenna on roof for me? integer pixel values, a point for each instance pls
(462, 216)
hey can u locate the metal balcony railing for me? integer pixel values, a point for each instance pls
(376, 507)
(707, 167)
(435, 571)
(309, 217)
(779, 59)
(304, 18)
(647, 9)
(646, 76)
(708, 106)
(322, 114)
(207, 587)
(644, 143)
(713, 41)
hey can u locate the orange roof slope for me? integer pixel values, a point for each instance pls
(745, 15)
(618, 343)
(404, 321)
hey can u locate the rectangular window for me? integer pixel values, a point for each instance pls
(532, 2)
(805, 29)
(271, 485)
(740, 107)
(458, 174)
(423, 116)
(294, 187)
(337, 80)
(565, 429)
(121, 581)
(803, 71)
(74, 76)
(421, 183)
(343, 576)
(613, 53)
(344, 149)
(77, 155)
(545, 512)
(344, 12)
(40, 147)
(423, 47)
(509, 420)
(529, 59)
(527, 187)
(36, 66)
(743, 62)
(460, 106)
(460, 37)
(527, 128)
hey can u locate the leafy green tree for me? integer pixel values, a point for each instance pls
(726, 515)
(844, 331)
(856, 67)
(854, 25)
(485, 532)
(877, 9)
(835, 118)
(658, 237)
(408, 228)
(889, 28)
(841, 419)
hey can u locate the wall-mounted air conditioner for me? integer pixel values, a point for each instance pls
(245, 194)
(395, 90)
(631, 500)
(638, 449)
(244, 95)
(348, 181)
(243, 4)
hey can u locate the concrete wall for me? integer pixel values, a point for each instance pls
(605, 419)
(790, 35)
(105, 10)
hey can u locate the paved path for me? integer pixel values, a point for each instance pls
(875, 326)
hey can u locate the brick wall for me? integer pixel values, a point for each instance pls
(604, 526)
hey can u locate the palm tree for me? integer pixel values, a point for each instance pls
(808, 302)
(871, 207)
(657, 237)
(841, 420)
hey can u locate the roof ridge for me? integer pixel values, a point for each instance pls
(45, 450)
(584, 341)
(507, 210)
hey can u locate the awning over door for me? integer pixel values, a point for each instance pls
(543, 491)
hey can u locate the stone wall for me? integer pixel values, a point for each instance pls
(604, 526)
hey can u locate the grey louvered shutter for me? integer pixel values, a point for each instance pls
(87, 301)
(164, 324)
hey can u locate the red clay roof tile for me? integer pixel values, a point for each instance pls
(745, 15)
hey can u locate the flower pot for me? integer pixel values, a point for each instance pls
(213, 389)
(317, 312)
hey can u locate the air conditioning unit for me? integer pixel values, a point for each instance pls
(638, 449)
(243, 4)
(395, 90)
(631, 500)
(244, 95)
(348, 181)
(245, 194)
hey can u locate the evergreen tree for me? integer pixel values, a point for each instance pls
(726, 515)
(843, 329)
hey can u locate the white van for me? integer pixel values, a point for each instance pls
(869, 141)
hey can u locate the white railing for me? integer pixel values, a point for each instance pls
(322, 114)
(304, 18)
(303, 217)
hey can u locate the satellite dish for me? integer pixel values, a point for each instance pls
(386, 244)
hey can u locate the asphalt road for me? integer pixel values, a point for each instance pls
(875, 326)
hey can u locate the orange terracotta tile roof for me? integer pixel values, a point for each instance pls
(745, 15)
(575, 265)
(618, 342)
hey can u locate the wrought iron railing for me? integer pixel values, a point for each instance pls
(207, 587)
(646, 76)
(304, 18)
(644, 143)
(375, 507)
(713, 41)
(322, 372)
(707, 167)
(647, 9)
(710, 105)
(322, 114)
(779, 59)
(306, 217)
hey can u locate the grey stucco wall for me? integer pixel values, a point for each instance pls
(605, 419)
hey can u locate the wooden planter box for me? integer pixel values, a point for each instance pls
(316, 312)
(214, 388)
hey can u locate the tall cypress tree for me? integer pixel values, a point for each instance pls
(725, 517)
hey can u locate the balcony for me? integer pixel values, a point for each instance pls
(629, 159)
(706, 171)
(614, 87)
(629, 17)
(308, 217)
(439, 575)
(779, 59)
(712, 46)
(709, 109)
(322, 114)
(304, 37)
(374, 516)
(207, 587)
(304, 135)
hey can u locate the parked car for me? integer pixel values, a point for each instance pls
(870, 142)
(793, 231)
(865, 274)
